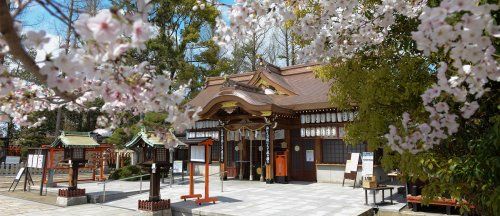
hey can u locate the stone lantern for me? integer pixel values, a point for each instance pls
(74, 145)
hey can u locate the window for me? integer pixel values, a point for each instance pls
(78, 153)
(336, 151)
(161, 154)
(216, 150)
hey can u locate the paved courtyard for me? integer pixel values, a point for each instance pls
(238, 198)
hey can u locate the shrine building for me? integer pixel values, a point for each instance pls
(275, 125)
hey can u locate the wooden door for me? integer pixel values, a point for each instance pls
(302, 169)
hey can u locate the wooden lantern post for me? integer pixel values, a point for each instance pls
(74, 145)
(153, 158)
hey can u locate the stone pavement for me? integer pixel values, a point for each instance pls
(14, 206)
(238, 198)
(258, 198)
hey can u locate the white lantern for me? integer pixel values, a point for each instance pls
(302, 132)
(339, 117)
(323, 117)
(308, 118)
(334, 131)
(334, 117)
(328, 131)
(302, 119)
(323, 131)
(308, 132)
(318, 131)
(345, 116)
(341, 132)
(328, 117)
(313, 132)
(318, 118)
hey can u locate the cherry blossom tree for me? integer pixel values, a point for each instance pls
(93, 70)
(331, 29)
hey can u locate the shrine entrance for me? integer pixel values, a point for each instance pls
(303, 167)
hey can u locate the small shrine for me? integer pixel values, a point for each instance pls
(153, 156)
(74, 145)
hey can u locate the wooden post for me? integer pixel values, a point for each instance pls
(207, 198)
(154, 186)
(73, 176)
(191, 184)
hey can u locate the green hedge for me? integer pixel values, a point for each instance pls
(128, 171)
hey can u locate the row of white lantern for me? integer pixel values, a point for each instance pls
(328, 117)
(203, 134)
(205, 124)
(238, 134)
(327, 131)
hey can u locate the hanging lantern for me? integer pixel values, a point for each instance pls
(308, 119)
(302, 132)
(328, 117)
(302, 119)
(339, 117)
(345, 116)
(323, 117)
(308, 132)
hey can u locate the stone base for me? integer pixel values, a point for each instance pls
(70, 201)
(165, 212)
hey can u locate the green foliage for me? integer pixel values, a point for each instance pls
(386, 80)
(183, 45)
(127, 171)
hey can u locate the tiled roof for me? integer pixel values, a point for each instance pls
(303, 90)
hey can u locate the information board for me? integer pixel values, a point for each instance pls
(352, 164)
(12, 159)
(19, 174)
(310, 155)
(367, 166)
(35, 161)
(177, 166)
(197, 153)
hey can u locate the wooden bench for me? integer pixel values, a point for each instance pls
(415, 200)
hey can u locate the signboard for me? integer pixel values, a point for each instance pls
(198, 153)
(35, 161)
(177, 166)
(367, 166)
(19, 174)
(310, 155)
(12, 159)
(352, 164)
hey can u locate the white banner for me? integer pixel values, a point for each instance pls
(367, 160)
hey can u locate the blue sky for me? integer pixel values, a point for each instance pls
(36, 17)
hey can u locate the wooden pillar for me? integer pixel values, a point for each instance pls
(242, 155)
(73, 176)
(318, 142)
(289, 147)
(154, 186)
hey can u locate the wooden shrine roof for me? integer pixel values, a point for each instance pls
(71, 139)
(297, 88)
(152, 140)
